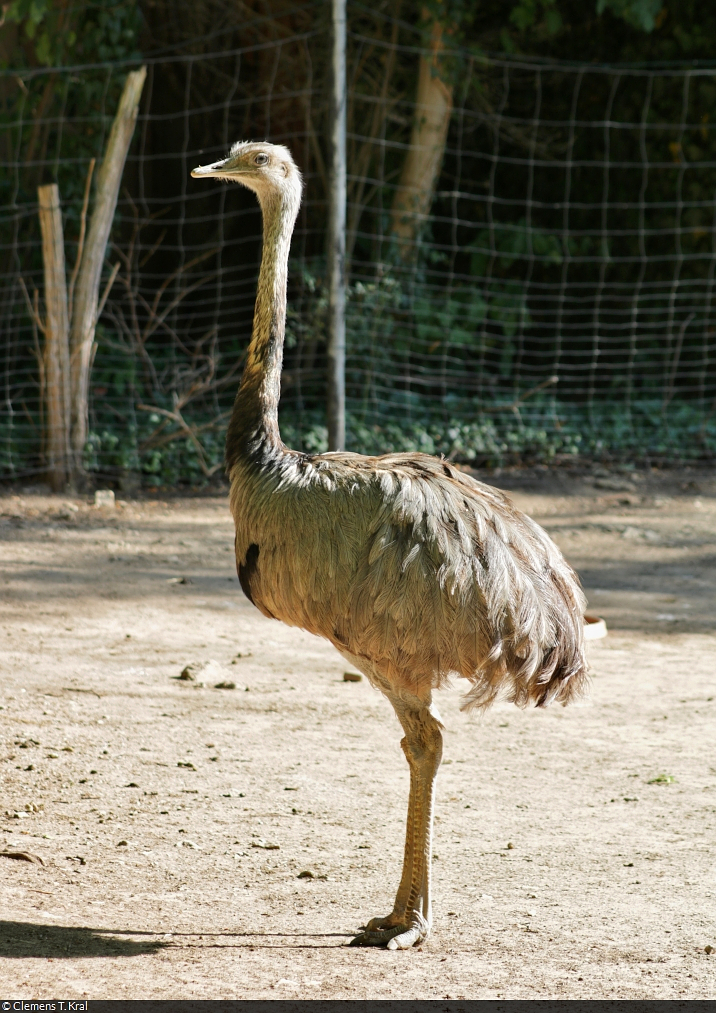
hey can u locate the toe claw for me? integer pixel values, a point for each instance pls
(380, 937)
(406, 939)
(396, 932)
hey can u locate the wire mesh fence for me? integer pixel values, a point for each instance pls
(553, 298)
(566, 271)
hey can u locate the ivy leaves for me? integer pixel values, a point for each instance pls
(57, 34)
(641, 14)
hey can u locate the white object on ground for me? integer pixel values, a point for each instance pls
(594, 628)
(104, 498)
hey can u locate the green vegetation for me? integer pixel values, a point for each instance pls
(551, 431)
(453, 354)
(60, 34)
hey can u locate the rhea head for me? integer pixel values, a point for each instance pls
(267, 169)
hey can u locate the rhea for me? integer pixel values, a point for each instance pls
(413, 570)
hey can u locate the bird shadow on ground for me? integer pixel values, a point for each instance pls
(25, 939)
(252, 940)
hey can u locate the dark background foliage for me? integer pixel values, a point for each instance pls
(443, 354)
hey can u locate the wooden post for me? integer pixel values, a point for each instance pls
(56, 327)
(86, 296)
(337, 239)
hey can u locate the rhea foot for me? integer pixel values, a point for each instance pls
(393, 932)
(410, 920)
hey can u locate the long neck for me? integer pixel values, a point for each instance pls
(253, 428)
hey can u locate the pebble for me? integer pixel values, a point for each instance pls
(104, 498)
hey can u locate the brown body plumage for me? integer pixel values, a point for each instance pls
(413, 570)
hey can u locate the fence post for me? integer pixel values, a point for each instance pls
(337, 239)
(86, 298)
(56, 328)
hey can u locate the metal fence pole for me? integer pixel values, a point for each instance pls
(337, 238)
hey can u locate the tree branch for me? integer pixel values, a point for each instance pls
(32, 310)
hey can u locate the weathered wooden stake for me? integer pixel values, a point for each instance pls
(86, 295)
(56, 328)
(337, 239)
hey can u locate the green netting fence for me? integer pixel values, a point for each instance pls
(555, 301)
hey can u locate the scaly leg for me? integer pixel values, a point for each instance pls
(411, 918)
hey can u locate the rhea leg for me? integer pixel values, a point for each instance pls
(411, 918)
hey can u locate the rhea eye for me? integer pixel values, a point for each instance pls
(261, 159)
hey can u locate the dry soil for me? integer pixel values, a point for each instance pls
(574, 850)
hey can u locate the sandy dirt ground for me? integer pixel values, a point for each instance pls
(574, 851)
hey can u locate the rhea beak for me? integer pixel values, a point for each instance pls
(222, 168)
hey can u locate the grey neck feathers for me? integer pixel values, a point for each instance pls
(253, 430)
